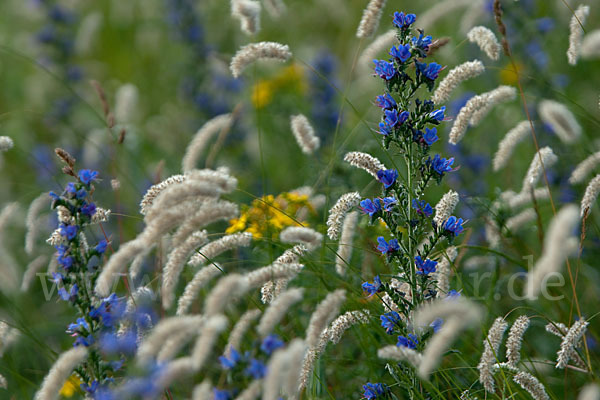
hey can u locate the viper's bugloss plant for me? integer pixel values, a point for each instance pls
(97, 320)
(415, 242)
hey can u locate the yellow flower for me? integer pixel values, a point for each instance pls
(291, 77)
(508, 75)
(269, 215)
(71, 386)
(262, 93)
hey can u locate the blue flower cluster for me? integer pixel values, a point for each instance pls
(248, 365)
(323, 92)
(56, 38)
(208, 90)
(98, 319)
(409, 124)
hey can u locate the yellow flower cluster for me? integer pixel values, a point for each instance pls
(269, 215)
(290, 77)
(71, 386)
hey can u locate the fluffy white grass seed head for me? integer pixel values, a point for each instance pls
(365, 162)
(442, 273)
(200, 279)
(559, 244)
(200, 140)
(445, 207)
(275, 312)
(227, 289)
(344, 252)
(576, 33)
(126, 104)
(515, 339)
(542, 160)
(490, 356)
(570, 341)
(32, 220)
(258, 51)
(341, 324)
(339, 211)
(561, 119)
(205, 343)
(458, 314)
(219, 246)
(239, 330)
(590, 391)
(532, 385)
(455, 77)
(248, 13)
(175, 263)
(60, 372)
(6, 143)
(370, 18)
(323, 315)
(486, 40)
(590, 195)
(507, 145)
(499, 95)
(584, 168)
(400, 354)
(590, 46)
(304, 134)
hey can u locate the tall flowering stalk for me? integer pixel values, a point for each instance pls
(98, 319)
(416, 238)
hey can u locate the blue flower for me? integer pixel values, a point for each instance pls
(422, 42)
(452, 294)
(372, 288)
(271, 343)
(71, 295)
(430, 71)
(256, 369)
(110, 310)
(403, 21)
(389, 203)
(384, 69)
(454, 225)
(389, 321)
(101, 246)
(87, 176)
(54, 196)
(436, 324)
(430, 136)
(221, 394)
(90, 388)
(387, 177)
(401, 52)
(88, 209)
(384, 129)
(231, 361)
(68, 231)
(70, 188)
(113, 343)
(425, 267)
(370, 207)
(385, 247)
(81, 323)
(372, 390)
(422, 207)
(65, 261)
(386, 101)
(391, 117)
(409, 341)
(440, 165)
(438, 115)
(84, 341)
